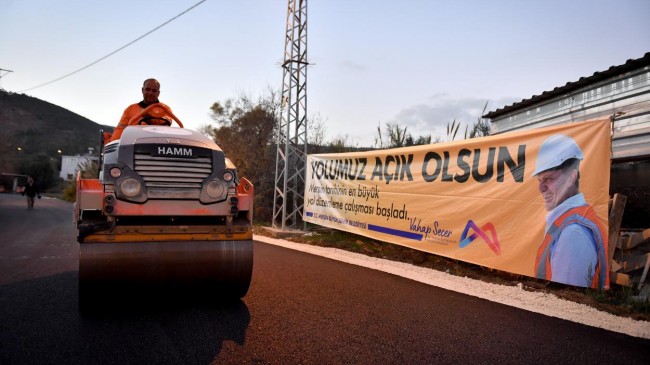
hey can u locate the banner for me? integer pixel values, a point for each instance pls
(531, 202)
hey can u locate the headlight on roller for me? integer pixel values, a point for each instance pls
(228, 176)
(115, 172)
(130, 187)
(215, 189)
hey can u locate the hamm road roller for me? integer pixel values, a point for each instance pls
(168, 210)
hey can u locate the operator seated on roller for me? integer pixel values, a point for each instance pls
(150, 93)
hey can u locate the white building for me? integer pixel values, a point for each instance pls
(621, 93)
(70, 165)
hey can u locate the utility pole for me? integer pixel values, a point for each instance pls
(288, 196)
(1, 74)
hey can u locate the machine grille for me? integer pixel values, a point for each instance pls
(172, 172)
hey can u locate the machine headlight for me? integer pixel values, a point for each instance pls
(215, 189)
(116, 172)
(228, 176)
(130, 187)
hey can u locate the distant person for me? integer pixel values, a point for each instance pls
(150, 93)
(574, 250)
(31, 191)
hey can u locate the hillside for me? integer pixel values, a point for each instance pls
(41, 128)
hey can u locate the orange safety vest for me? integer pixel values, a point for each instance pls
(130, 112)
(586, 217)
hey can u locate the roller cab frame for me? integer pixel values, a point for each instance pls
(167, 209)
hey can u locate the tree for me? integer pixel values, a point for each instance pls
(246, 133)
(89, 170)
(417, 142)
(398, 137)
(482, 127)
(340, 144)
(316, 133)
(41, 168)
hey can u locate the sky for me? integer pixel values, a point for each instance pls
(415, 63)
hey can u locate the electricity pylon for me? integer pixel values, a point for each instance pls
(288, 198)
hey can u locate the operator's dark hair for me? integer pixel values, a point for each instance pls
(151, 79)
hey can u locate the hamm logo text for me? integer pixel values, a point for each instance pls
(175, 151)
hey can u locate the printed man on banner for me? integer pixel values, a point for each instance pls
(574, 250)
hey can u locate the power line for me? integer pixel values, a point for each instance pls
(119, 49)
(1, 74)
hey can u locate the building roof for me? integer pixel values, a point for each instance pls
(630, 65)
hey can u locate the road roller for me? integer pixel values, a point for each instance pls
(166, 211)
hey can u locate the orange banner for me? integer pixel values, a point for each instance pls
(530, 202)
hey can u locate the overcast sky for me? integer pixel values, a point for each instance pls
(421, 63)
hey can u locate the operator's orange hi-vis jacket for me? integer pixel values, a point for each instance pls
(130, 112)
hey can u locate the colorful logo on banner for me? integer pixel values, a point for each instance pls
(480, 232)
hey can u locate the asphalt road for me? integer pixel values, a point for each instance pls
(301, 309)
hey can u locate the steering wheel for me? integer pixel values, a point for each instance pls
(156, 111)
(148, 118)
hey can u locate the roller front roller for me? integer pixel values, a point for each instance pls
(167, 211)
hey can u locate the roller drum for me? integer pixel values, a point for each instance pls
(221, 269)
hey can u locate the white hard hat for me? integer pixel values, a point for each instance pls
(554, 151)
